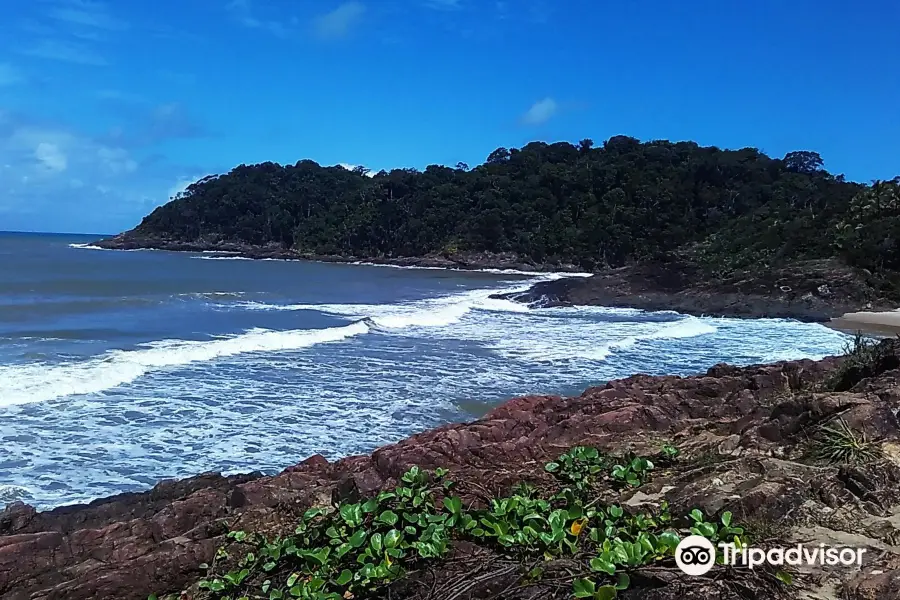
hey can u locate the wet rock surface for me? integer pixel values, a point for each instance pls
(744, 433)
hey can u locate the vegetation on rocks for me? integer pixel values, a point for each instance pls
(354, 550)
(605, 206)
(863, 357)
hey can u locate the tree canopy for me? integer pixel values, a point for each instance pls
(591, 205)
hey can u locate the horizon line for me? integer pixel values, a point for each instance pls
(32, 232)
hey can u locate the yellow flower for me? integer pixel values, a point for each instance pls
(577, 526)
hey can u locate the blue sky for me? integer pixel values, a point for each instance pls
(108, 109)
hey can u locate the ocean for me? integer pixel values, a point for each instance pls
(119, 369)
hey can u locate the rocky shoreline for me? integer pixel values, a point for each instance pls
(812, 291)
(744, 435)
(466, 261)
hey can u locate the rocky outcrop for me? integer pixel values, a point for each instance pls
(743, 432)
(809, 291)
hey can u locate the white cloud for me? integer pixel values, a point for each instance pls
(44, 153)
(59, 179)
(540, 112)
(51, 157)
(339, 22)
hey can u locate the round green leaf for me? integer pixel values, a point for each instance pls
(358, 538)
(389, 517)
(345, 577)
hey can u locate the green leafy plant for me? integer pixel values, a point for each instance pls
(586, 588)
(716, 532)
(349, 550)
(634, 472)
(581, 466)
(670, 452)
(354, 549)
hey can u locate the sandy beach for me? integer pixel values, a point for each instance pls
(883, 324)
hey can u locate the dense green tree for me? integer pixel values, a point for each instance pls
(621, 202)
(803, 161)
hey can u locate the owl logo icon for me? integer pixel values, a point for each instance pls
(695, 555)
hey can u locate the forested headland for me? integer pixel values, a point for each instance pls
(592, 206)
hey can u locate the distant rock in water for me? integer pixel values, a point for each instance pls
(535, 297)
(814, 291)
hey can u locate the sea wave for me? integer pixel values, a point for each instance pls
(11, 493)
(24, 384)
(208, 257)
(434, 312)
(211, 295)
(40, 382)
(492, 271)
(578, 338)
(93, 247)
(547, 335)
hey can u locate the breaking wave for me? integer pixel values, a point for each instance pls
(23, 384)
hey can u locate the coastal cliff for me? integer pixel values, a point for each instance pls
(751, 441)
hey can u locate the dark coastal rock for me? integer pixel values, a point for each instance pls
(742, 432)
(808, 291)
(459, 260)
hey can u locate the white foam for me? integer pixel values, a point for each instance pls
(92, 247)
(226, 258)
(11, 493)
(468, 316)
(687, 327)
(211, 295)
(577, 337)
(542, 274)
(436, 312)
(24, 384)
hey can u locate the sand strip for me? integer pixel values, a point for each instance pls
(883, 324)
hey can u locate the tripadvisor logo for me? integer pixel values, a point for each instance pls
(696, 555)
